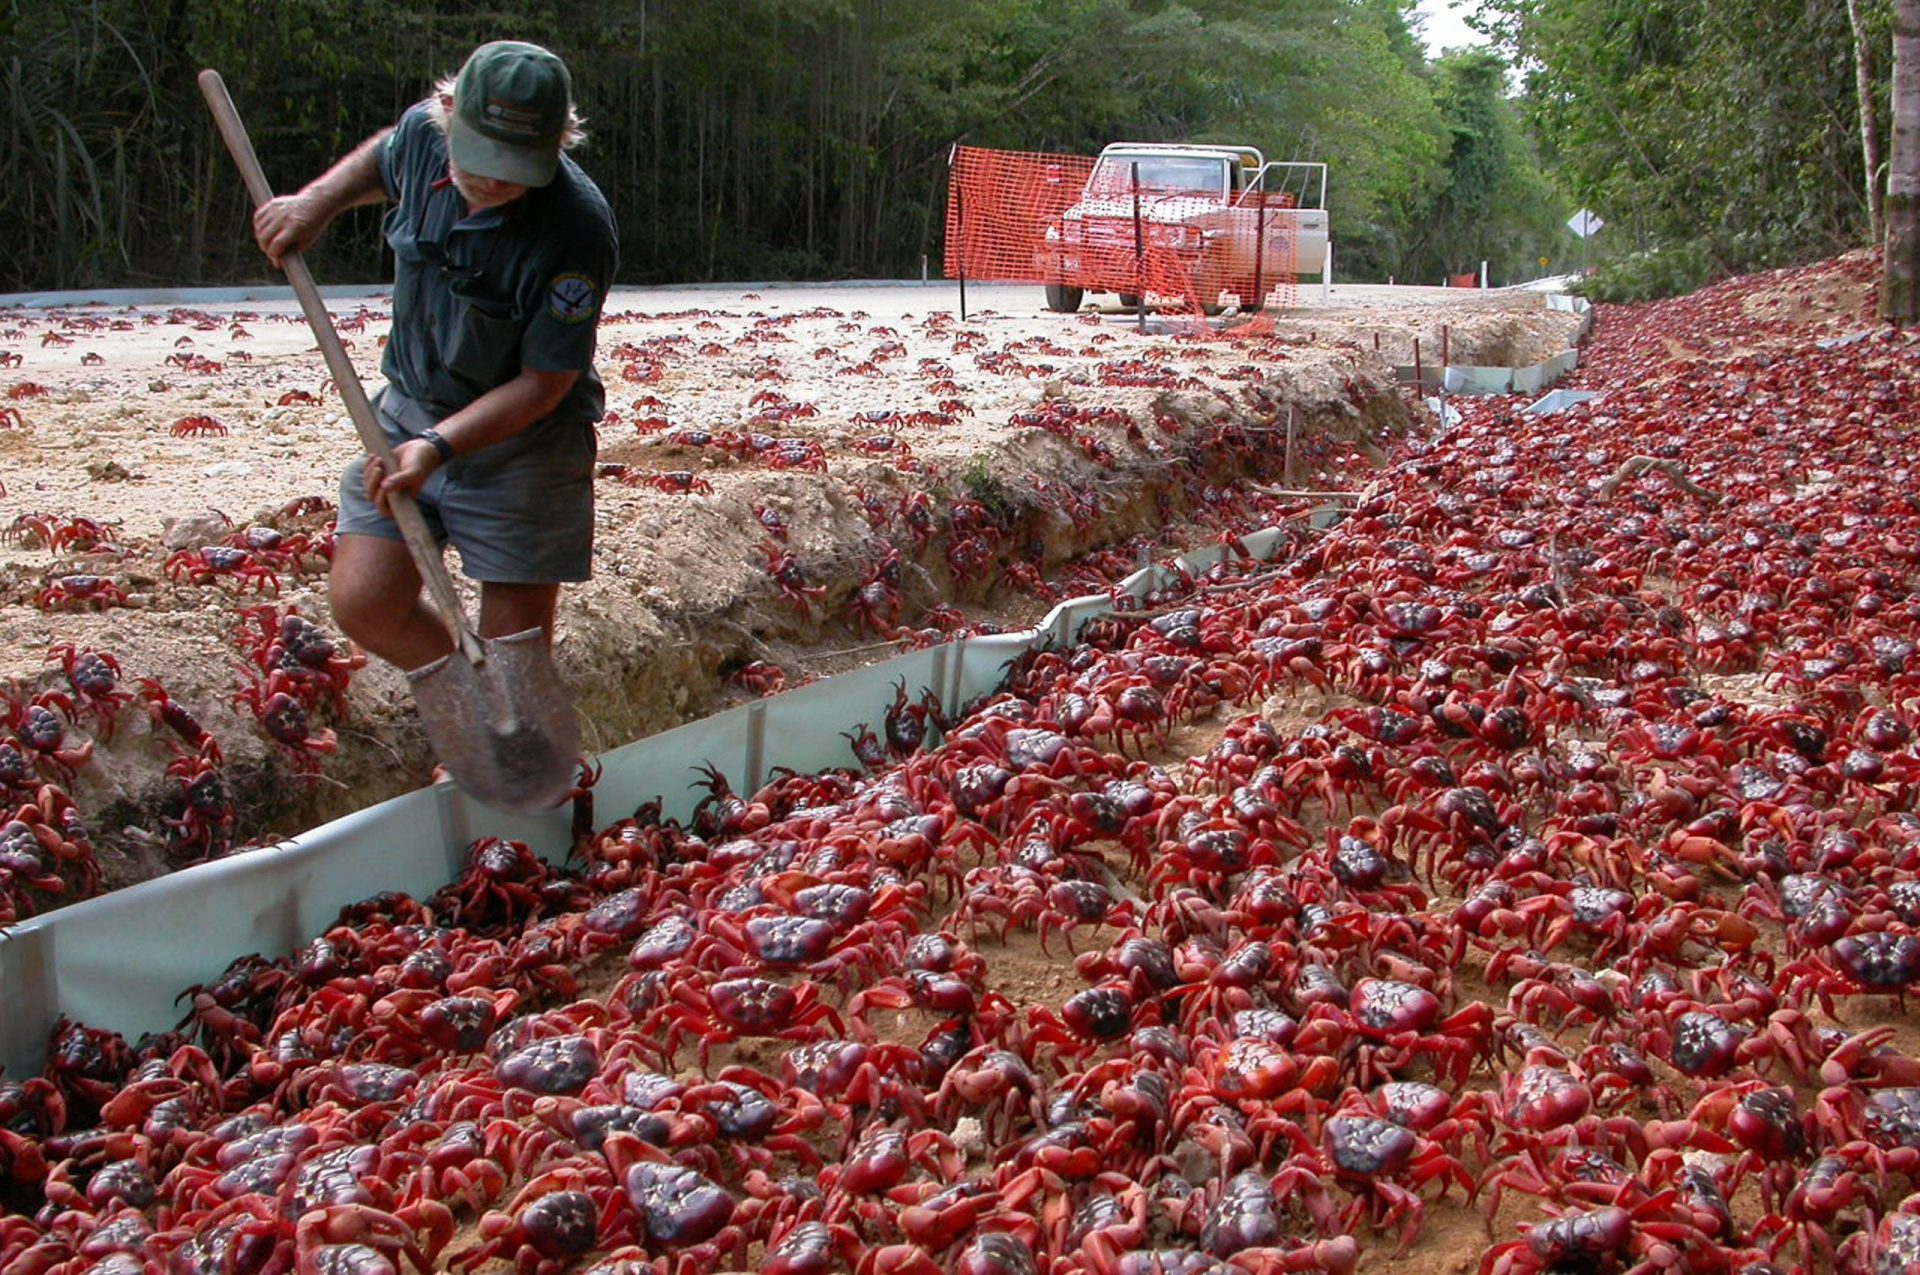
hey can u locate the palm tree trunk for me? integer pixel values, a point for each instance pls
(1900, 287)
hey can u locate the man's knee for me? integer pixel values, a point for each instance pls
(371, 585)
(361, 611)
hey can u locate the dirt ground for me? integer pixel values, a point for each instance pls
(176, 427)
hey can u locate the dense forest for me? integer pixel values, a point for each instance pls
(768, 139)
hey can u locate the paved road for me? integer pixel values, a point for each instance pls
(877, 298)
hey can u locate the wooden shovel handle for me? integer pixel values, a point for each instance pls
(413, 527)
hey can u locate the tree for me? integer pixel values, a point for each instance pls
(1493, 204)
(1869, 130)
(1900, 288)
(1729, 132)
(735, 139)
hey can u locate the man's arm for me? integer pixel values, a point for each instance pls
(291, 223)
(492, 418)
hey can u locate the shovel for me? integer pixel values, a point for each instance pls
(496, 712)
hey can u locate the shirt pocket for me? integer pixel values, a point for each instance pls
(483, 348)
(408, 272)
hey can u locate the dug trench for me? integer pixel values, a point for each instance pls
(760, 509)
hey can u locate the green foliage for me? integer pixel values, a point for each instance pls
(979, 482)
(1649, 275)
(1495, 204)
(1732, 130)
(749, 139)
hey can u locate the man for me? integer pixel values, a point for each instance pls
(503, 253)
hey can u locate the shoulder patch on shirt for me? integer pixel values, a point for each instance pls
(572, 298)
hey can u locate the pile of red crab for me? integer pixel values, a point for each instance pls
(1548, 865)
(293, 671)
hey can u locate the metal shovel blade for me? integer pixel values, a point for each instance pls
(503, 725)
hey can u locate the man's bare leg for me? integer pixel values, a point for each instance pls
(375, 593)
(515, 608)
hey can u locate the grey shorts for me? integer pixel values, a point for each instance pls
(519, 512)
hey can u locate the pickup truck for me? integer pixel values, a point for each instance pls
(1217, 225)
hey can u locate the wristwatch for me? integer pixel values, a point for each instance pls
(440, 445)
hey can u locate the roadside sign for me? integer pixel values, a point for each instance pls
(1585, 223)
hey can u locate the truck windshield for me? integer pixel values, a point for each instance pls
(1114, 175)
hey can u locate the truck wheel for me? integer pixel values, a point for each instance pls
(1063, 298)
(1129, 301)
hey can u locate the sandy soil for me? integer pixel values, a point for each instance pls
(176, 427)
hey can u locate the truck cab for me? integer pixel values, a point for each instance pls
(1207, 224)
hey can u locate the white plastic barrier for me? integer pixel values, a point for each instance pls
(1557, 402)
(1575, 305)
(1446, 413)
(119, 961)
(1459, 378)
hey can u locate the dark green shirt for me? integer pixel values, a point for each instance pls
(478, 297)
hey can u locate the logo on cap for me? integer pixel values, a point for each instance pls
(505, 117)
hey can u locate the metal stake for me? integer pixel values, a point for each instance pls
(1259, 298)
(1287, 464)
(960, 224)
(1139, 255)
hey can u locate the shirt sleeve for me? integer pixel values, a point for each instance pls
(560, 337)
(393, 149)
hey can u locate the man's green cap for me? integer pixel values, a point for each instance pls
(510, 108)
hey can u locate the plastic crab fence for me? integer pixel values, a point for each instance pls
(1008, 220)
(1458, 378)
(120, 960)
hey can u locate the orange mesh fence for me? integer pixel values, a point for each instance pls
(999, 205)
(1128, 228)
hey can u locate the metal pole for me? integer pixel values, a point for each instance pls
(1446, 359)
(1418, 382)
(1258, 299)
(1139, 255)
(960, 228)
(1287, 468)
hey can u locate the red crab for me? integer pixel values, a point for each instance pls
(285, 719)
(81, 593)
(95, 679)
(675, 482)
(761, 678)
(719, 1011)
(39, 731)
(786, 572)
(223, 562)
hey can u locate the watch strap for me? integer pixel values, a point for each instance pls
(440, 445)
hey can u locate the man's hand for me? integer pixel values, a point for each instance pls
(414, 462)
(288, 223)
(291, 223)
